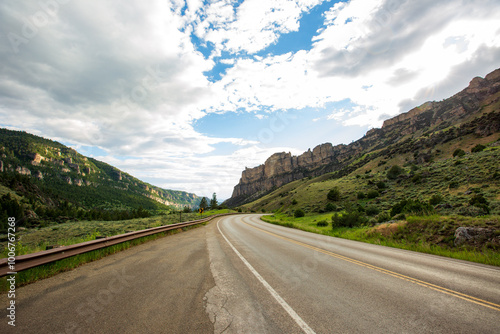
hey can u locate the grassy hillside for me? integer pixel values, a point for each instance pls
(43, 181)
(452, 182)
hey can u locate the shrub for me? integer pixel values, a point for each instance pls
(412, 207)
(458, 153)
(322, 223)
(417, 178)
(383, 217)
(381, 185)
(299, 213)
(361, 195)
(372, 194)
(348, 219)
(435, 199)
(330, 207)
(394, 172)
(480, 202)
(334, 194)
(372, 210)
(453, 185)
(474, 211)
(294, 201)
(478, 148)
(478, 199)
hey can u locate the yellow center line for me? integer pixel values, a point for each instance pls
(441, 289)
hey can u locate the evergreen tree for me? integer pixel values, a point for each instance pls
(204, 203)
(213, 202)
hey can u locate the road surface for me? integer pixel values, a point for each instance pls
(240, 275)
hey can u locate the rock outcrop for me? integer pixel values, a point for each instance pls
(36, 158)
(464, 110)
(475, 236)
(23, 170)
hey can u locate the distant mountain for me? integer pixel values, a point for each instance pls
(42, 174)
(426, 133)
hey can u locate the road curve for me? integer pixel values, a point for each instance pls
(241, 275)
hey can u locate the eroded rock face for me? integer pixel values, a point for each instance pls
(282, 168)
(36, 158)
(38, 175)
(23, 170)
(67, 179)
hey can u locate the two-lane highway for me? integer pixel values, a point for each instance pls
(340, 286)
(241, 275)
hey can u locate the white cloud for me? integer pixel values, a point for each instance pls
(377, 54)
(250, 27)
(126, 77)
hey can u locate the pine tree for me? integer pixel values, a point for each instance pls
(204, 203)
(213, 202)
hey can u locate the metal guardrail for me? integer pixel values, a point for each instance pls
(28, 261)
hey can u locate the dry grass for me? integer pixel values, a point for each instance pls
(388, 229)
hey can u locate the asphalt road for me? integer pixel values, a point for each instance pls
(240, 275)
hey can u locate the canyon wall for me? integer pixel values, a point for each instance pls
(282, 168)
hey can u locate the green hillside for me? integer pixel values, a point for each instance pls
(455, 180)
(42, 181)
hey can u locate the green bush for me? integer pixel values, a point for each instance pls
(478, 148)
(479, 201)
(435, 199)
(474, 211)
(372, 194)
(383, 217)
(412, 207)
(458, 153)
(394, 172)
(453, 185)
(361, 195)
(334, 194)
(372, 210)
(322, 223)
(299, 213)
(417, 178)
(330, 207)
(294, 202)
(381, 185)
(349, 219)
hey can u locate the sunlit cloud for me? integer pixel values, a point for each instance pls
(133, 79)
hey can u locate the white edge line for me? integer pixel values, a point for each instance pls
(302, 324)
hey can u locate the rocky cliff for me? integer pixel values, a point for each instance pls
(473, 110)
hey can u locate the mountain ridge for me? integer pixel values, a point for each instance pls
(48, 173)
(474, 110)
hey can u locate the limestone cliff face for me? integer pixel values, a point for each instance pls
(282, 168)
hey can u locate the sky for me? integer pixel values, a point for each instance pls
(185, 94)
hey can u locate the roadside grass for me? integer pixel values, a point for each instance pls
(35, 240)
(431, 234)
(44, 271)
